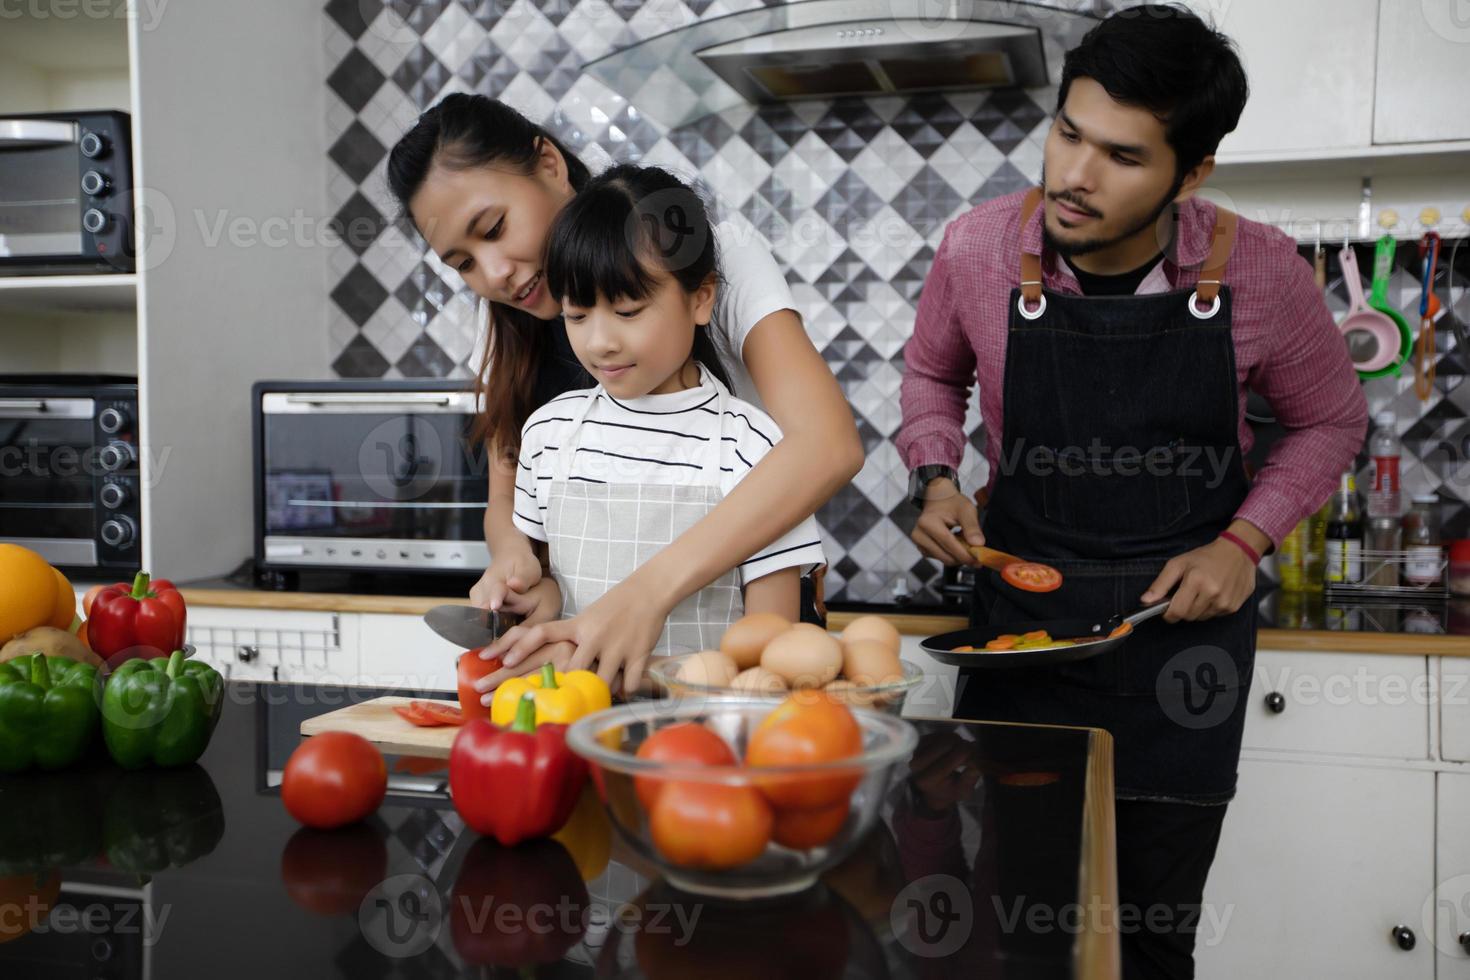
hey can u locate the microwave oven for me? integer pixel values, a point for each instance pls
(367, 476)
(69, 469)
(66, 193)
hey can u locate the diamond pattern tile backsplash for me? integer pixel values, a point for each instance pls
(814, 178)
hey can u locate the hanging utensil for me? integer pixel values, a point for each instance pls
(1429, 311)
(1378, 298)
(1372, 338)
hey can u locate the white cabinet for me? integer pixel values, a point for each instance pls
(1423, 71)
(1451, 908)
(1317, 865)
(1454, 708)
(1374, 705)
(290, 646)
(1310, 67)
(401, 651)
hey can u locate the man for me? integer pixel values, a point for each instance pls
(1113, 321)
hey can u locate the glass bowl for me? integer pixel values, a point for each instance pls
(609, 741)
(884, 697)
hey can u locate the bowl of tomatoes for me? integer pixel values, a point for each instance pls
(743, 796)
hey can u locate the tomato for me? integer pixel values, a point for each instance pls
(89, 597)
(687, 741)
(1030, 576)
(806, 728)
(472, 668)
(710, 825)
(333, 779)
(330, 872)
(801, 829)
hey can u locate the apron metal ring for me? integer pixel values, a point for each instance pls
(1203, 314)
(1040, 307)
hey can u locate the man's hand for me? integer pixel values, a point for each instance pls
(946, 508)
(1214, 580)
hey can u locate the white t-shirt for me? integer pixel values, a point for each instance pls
(656, 439)
(753, 289)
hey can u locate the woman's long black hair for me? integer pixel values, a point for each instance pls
(462, 132)
(623, 224)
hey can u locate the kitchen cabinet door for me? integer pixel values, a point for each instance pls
(402, 652)
(1317, 865)
(1454, 708)
(1423, 71)
(1310, 67)
(1451, 913)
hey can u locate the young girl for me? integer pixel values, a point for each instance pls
(610, 475)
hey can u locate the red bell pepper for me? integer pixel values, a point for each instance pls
(515, 783)
(145, 619)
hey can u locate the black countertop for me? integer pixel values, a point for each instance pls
(201, 872)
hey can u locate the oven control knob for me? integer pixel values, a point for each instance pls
(95, 184)
(114, 495)
(96, 221)
(93, 145)
(113, 420)
(116, 455)
(119, 532)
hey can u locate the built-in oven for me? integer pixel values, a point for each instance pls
(369, 475)
(66, 193)
(69, 469)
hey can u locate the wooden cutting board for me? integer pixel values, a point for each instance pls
(377, 722)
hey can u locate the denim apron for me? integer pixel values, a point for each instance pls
(1120, 449)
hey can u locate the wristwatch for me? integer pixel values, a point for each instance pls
(920, 479)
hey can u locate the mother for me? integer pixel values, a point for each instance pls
(482, 184)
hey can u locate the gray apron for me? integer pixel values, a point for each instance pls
(598, 533)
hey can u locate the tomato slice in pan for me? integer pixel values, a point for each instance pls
(1031, 576)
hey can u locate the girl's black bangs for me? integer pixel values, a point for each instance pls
(593, 251)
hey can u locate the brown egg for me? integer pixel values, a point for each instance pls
(709, 668)
(804, 656)
(873, 628)
(868, 662)
(745, 638)
(758, 680)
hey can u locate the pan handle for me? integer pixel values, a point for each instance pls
(1148, 612)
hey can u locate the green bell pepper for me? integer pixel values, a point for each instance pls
(160, 712)
(48, 712)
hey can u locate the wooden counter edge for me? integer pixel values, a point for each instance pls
(1098, 954)
(909, 624)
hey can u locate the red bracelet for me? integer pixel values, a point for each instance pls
(1240, 543)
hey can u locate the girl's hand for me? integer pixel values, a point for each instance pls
(617, 633)
(541, 603)
(559, 655)
(513, 569)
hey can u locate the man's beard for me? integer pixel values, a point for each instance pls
(1070, 249)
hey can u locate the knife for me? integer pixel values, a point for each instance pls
(469, 627)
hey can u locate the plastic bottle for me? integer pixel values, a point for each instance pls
(1315, 559)
(1291, 559)
(1384, 450)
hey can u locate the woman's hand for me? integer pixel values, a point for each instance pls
(513, 569)
(945, 508)
(617, 633)
(559, 655)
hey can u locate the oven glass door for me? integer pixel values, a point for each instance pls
(48, 467)
(383, 467)
(40, 189)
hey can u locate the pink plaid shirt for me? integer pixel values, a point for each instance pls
(1287, 348)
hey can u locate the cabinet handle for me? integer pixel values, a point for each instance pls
(1276, 702)
(1464, 941)
(1404, 937)
(246, 654)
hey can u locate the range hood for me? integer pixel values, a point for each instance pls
(818, 49)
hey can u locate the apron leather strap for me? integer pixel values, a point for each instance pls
(1030, 263)
(1223, 236)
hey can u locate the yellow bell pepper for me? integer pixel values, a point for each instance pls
(560, 698)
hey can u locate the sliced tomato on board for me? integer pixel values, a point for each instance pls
(1030, 576)
(444, 714)
(414, 715)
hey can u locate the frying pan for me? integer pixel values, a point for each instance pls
(1102, 640)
